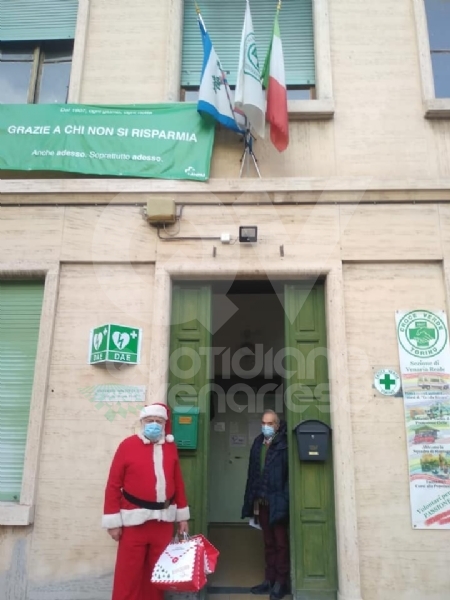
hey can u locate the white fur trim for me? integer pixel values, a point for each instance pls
(183, 514)
(137, 516)
(112, 521)
(142, 437)
(159, 473)
(154, 410)
(170, 438)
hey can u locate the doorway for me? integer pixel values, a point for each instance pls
(237, 348)
(247, 333)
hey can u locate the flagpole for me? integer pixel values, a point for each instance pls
(199, 15)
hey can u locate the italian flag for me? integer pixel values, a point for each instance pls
(275, 84)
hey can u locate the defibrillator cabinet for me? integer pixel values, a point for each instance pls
(185, 426)
(312, 440)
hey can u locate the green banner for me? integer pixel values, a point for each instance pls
(167, 141)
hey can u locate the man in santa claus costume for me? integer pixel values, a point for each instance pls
(144, 496)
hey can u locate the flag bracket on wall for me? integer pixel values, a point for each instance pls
(248, 153)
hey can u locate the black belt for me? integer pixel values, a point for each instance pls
(145, 503)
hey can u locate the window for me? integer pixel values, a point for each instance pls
(35, 74)
(438, 21)
(432, 19)
(20, 314)
(36, 43)
(224, 22)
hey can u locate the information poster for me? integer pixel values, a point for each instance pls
(425, 370)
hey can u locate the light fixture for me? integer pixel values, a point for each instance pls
(248, 233)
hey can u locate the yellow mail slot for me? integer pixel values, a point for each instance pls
(184, 420)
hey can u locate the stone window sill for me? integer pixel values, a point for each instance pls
(301, 110)
(16, 514)
(438, 108)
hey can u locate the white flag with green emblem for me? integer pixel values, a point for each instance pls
(249, 94)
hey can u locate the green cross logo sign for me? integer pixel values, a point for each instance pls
(387, 382)
(422, 333)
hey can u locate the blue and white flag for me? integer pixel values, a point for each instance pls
(214, 97)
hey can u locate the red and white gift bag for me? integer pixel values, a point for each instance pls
(211, 553)
(183, 565)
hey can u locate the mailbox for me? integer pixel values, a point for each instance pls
(312, 439)
(185, 426)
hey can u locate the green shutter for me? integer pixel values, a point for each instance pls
(22, 20)
(20, 314)
(224, 21)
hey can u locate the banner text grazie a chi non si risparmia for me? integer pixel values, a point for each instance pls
(180, 136)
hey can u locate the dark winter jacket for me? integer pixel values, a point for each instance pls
(272, 484)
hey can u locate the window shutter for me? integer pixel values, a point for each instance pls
(22, 20)
(20, 314)
(224, 21)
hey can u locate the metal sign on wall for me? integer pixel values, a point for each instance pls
(424, 351)
(115, 343)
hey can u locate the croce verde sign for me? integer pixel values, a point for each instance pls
(168, 141)
(115, 343)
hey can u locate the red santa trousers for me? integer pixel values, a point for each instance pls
(139, 548)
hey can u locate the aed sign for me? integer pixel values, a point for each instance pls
(115, 343)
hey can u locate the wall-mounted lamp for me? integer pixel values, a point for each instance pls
(248, 234)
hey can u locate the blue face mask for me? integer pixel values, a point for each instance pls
(268, 431)
(153, 431)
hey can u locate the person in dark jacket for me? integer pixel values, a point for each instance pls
(267, 500)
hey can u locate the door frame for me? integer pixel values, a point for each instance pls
(349, 579)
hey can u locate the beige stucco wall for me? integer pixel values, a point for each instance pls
(378, 129)
(392, 258)
(79, 438)
(396, 561)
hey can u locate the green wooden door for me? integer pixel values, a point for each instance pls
(312, 515)
(189, 376)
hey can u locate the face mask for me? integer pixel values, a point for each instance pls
(268, 431)
(153, 431)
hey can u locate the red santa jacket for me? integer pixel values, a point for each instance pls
(150, 472)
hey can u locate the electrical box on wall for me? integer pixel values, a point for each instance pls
(185, 426)
(161, 210)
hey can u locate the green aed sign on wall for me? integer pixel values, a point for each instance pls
(166, 141)
(115, 343)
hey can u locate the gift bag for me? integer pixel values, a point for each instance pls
(181, 567)
(211, 553)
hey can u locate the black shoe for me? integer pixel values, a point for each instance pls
(278, 591)
(262, 588)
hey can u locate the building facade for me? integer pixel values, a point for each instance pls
(353, 225)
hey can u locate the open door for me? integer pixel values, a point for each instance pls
(312, 514)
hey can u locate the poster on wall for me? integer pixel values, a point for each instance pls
(424, 351)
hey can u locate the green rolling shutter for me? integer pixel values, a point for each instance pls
(224, 21)
(22, 20)
(20, 314)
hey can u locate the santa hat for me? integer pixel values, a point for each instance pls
(157, 409)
